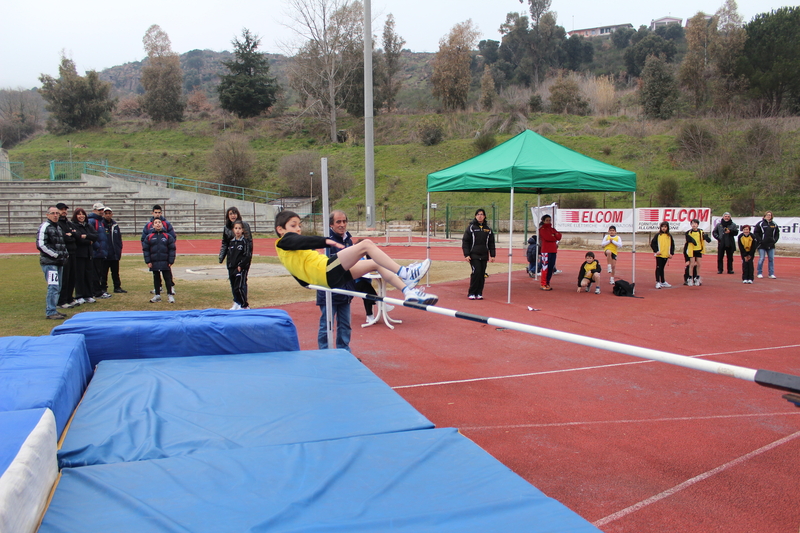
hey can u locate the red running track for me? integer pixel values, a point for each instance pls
(631, 445)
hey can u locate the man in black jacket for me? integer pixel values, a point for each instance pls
(65, 298)
(113, 252)
(725, 233)
(52, 255)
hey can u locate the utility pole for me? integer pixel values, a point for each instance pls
(369, 140)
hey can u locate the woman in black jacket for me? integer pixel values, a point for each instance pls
(767, 234)
(231, 216)
(478, 247)
(84, 235)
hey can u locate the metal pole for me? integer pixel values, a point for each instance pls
(326, 216)
(767, 378)
(633, 253)
(510, 242)
(369, 143)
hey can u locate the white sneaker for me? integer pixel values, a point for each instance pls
(90, 300)
(155, 299)
(171, 299)
(609, 269)
(414, 272)
(597, 290)
(760, 276)
(772, 276)
(557, 272)
(698, 282)
(665, 285)
(80, 301)
(611, 280)
(235, 307)
(370, 318)
(417, 296)
(690, 282)
(658, 285)
(744, 281)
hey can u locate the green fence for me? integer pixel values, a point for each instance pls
(66, 170)
(10, 170)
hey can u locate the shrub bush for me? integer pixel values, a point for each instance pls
(430, 131)
(484, 141)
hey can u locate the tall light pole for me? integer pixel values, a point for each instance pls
(369, 141)
(311, 194)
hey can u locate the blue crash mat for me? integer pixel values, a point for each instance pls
(151, 334)
(43, 372)
(417, 481)
(155, 408)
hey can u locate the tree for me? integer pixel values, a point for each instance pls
(537, 8)
(320, 70)
(726, 49)
(578, 51)
(622, 37)
(392, 63)
(652, 44)
(162, 78)
(771, 57)
(75, 102)
(21, 114)
(565, 97)
(488, 90)
(248, 90)
(451, 66)
(232, 159)
(658, 90)
(695, 69)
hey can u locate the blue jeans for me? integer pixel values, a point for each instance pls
(771, 255)
(52, 275)
(341, 315)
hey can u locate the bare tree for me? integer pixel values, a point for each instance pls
(451, 73)
(21, 114)
(331, 33)
(392, 47)
(162, 78)
(232, 159)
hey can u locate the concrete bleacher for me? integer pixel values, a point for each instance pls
(23, 205)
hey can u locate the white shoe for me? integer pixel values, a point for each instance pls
(80, 301)
(744, 281)
(690, 282)
(171, 299)
(414, 272)
(90, 300)
(611, 280)
(155, 299)
(597, 290)
(760, 276)
(235, 307)
(370, 319)
(772, 276)
(698, 282)
(557, 272)
(417, 296)
(665, 285)
(658, 285)
(609, 269)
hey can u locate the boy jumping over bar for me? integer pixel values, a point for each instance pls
(298, 254)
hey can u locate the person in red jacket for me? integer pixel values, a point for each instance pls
(548, 239)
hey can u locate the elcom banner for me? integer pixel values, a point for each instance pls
(648, 219)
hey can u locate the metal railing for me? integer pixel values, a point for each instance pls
(12, 170)
(66, 170)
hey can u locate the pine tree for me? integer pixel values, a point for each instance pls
(248, 90)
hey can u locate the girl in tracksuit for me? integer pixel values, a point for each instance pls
(663, 246)
(239, 255)
(478, 247)
(548, 240)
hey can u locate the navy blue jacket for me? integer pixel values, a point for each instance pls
(159, 249)
(113, 240)
(338, 299)
(148, 228)
(98, 246)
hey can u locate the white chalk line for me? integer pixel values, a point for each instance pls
(689, 482)
(529, 374)
(631, 421)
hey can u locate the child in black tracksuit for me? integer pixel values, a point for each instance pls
(532, 254)
(158, 248)
(239, 256)
(589, 273)
(747, 247)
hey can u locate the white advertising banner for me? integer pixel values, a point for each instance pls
(789, 226)
(648, 219)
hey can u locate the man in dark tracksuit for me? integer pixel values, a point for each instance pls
(95, 220)
(113, 252)
(52, 255)
(725, 233)
(65, 298)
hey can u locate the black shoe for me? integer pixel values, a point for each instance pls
(731, 272)
(62, 314)
(719, 271)
(120, 290)
(56, 317)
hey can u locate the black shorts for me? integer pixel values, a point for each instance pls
(697, 253)
(335, 273)
(613, 255)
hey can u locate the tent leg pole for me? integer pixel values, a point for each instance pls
(510, 242)
(633, 261)
(428, 238)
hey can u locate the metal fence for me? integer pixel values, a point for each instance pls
(69, 170)
(11, 170)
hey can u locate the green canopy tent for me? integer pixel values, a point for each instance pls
(529, 163)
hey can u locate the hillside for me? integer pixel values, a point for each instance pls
(751, 165)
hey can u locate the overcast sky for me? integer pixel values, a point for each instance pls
(100, 34)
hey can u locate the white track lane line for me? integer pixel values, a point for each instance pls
(689, 482)
(631, 421)
(512, 376)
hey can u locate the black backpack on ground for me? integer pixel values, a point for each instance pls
(623, 288)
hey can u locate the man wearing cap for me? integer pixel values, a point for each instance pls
(113, 252)
(52, 255)
(95, 220)
(725, 233)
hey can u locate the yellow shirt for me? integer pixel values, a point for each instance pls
(614, 243)
(701, 244)
(663, 245)
(747, 242)
(309, 267)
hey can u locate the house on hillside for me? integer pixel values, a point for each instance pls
(663, 21)
(599, 31)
